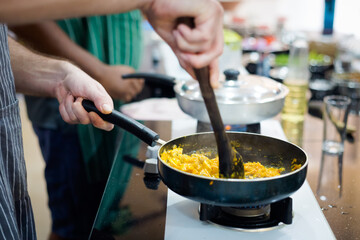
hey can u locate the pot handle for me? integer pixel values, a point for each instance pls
(121, 120)
(152, 77)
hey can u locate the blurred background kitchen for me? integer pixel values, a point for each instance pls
(260, 37)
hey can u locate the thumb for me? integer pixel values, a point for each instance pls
(101, 99)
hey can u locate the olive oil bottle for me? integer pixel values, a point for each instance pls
(297, 80)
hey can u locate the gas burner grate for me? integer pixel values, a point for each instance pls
(260, 217)
(247, 212)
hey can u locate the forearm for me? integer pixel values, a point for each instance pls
(47, 37)
(34, 74)
(195, 47)
(41, 76)
(25, 11)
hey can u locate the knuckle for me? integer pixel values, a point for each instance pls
(84, 121)
(206, 37)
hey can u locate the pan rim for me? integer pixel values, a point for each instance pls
(304, 166)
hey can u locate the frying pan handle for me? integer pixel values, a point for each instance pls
(119, 119)
(152, 77)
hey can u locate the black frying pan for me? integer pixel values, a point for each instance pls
(220, 191)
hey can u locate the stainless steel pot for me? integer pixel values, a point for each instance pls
(242, 100)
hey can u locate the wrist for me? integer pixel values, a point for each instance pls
(63, 69)
(146, 5)
(98, 71)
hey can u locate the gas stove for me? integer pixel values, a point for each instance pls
(249, 219)
(296, 217)
(253, 218)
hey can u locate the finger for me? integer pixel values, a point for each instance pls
(188, 68)
(64, 114)
(195, 35)
(102, 101)
(186, 46)
(130, 91)
(214, 74)
(69, 100)
(140, 85)
(132, 86)
(182, 58)
(136, 86)
(81, 114)
(213, 68)
(203, 59)
(98, 122)
(127, 97)
(100, 97)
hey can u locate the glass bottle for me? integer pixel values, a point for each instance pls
(297, 80)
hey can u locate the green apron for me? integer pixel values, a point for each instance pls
(114, 39)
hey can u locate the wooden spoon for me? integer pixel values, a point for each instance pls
(230, 162)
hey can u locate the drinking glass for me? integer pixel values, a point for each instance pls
(335, 115)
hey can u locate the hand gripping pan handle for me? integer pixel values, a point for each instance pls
(121, 120)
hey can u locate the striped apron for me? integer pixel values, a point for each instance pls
(16, 217)
(113, 39)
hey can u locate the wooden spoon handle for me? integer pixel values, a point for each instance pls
(223, 143)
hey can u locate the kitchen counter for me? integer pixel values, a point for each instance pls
(342, 212)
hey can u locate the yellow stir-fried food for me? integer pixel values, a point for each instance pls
(194, 163)
(295, 165)
(257, 170)
(200, 164)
